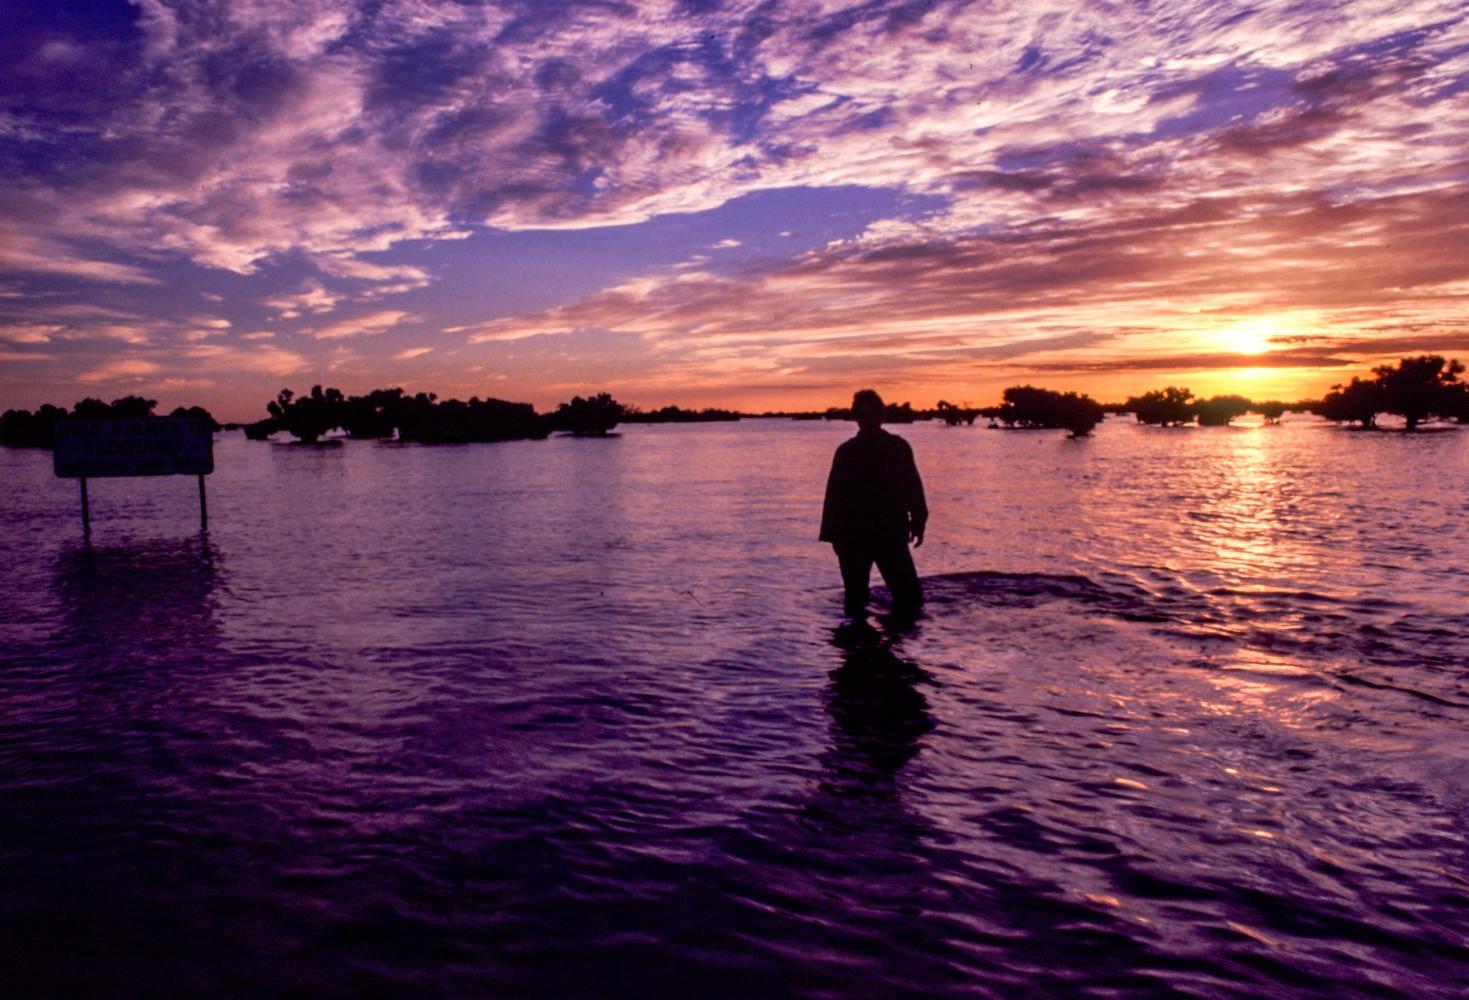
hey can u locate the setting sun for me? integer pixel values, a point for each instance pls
(1250, 337)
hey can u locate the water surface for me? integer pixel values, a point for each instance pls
(1185, 715)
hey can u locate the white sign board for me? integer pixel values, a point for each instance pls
(152, 446)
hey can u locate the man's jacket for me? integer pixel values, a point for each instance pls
(874, 494)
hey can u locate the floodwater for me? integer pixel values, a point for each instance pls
(1186, 714)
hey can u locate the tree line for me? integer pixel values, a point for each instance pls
(24, 429)
(425, 419)
(381, 413)
(1419, 389)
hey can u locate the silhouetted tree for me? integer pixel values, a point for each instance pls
(197, 412)
(1458, 403)
(1271, 410)
(596, 415)
(132, 408)
(456, 422)
(373, 415)
(307, 418)
(1220, 410)
(1355, 402)
(954, 415)
(261, 429)
(1170, 407)
(91, 409)
(1027, 406)
(23, 429)
(1352, 402)
(676, 415)
(1420, 388)
(899, 413)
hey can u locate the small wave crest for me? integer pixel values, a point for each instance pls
(1366, 641)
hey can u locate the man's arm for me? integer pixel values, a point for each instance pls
(917, 504)
(831, 507)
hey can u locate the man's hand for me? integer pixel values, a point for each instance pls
(915, 534)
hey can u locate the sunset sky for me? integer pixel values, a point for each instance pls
(756, 204)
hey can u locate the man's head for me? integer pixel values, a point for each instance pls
(867, 409)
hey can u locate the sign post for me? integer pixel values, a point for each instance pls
(148, 446)
(86, 513)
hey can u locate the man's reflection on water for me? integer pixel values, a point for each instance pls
(878, 718)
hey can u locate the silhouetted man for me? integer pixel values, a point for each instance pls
(874, 505)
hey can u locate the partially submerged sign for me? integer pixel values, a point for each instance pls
(150, 446)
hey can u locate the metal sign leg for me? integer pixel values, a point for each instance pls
(86, 514)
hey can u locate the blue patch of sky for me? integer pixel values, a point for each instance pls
(496, 273)
(1233, 95)
(27, 21)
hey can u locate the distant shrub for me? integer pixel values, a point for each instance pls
(24, 429)
(595, 415)
(1170, 407)
(899, 413)
(261, 429)
(1356, 402)
(676, 415)
(1420, 388)
(1220, 410)
(197, 412)
(1027, 406)
(1271, 410)
(954, 415)
(307, 418)
(373, 415)
(479, 420)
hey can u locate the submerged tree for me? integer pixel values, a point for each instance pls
(24, 429)
(899, 413)
(307, 418)
(132, 408)
(596, 415)
(954, 415)
(1458, 403)
(21, 428)
(457, 422)
(1027, 406)
(677, 415)
(373, 415)
(1170, 407)
(1420, 388)
(1220, 410)
(1272, 410)
(91, 409)
(198, 413)
(1356, 402)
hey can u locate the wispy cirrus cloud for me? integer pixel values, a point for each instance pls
(370, 323)
(124, 369)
